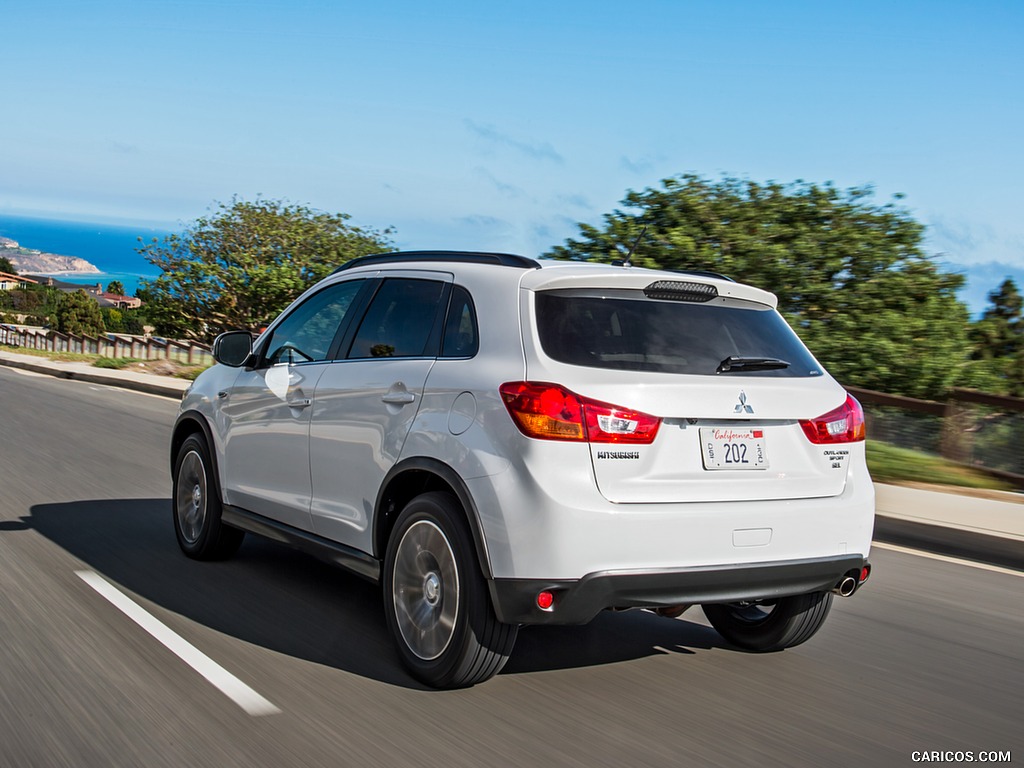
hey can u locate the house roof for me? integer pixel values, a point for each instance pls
(16, 278)
(116, 297)
(116, 300)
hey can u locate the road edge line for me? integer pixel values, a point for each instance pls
(240, 693)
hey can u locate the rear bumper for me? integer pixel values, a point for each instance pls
(578, 601)
(545, 518)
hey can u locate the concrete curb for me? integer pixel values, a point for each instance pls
(173, 388)
(985, 527)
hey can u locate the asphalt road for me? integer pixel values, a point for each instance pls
(928, 656)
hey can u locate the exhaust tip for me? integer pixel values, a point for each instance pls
(846, 587)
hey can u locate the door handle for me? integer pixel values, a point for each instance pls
(399, 398)
(303, 403)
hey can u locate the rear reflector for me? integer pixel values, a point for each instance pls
(843, 425)
(552, 412)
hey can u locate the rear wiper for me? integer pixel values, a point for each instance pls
(737, 363)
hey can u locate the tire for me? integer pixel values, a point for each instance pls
(765, 627)
(197, 506)
(436, 600)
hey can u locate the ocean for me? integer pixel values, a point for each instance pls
(111, 248)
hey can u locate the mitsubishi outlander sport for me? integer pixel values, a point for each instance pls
(501, 441)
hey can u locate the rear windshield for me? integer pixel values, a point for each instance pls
(626, 330)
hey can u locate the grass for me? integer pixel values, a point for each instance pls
(890, 464)
(116, 363)
(63, 357)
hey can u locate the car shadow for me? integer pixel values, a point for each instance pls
(280, 599)
(610, 638)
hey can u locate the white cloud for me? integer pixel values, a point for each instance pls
(538, 150)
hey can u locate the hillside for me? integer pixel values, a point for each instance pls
(32, 262)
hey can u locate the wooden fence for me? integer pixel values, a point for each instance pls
(114, 345)
(968, 427)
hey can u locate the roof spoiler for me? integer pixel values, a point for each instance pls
(461, 257)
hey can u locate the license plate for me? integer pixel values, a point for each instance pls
(731, 448)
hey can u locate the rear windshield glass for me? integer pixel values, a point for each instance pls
(628, 331)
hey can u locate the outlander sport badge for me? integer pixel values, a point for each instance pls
(743, 407)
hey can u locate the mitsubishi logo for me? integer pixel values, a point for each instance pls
(743, 407)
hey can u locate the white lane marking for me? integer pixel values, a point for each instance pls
(228, 684)
(23, 372)
(948, 559)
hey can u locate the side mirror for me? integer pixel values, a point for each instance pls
(232, 348)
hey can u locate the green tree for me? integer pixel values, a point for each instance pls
(39, 302)
(134, 321)
(997, 339)
(7, 266)
(113, 319)
(1000, 331)
(850, 274)
(246, 263)
(131, 321)
(115, 287)
(78, 314)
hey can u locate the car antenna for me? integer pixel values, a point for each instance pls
(626, 261)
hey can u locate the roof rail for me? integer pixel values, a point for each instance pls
(464, 257)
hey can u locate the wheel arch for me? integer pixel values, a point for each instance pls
(191, 423)
(408, 479)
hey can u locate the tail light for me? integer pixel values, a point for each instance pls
(843, 425)
(551, 412)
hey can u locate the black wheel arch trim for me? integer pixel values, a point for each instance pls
(197, 418)
(455, 482)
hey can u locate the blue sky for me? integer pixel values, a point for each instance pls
(502, 125)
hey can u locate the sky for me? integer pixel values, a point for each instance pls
(503, 126)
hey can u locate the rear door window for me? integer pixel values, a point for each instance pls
(400, 321)
(621, 329)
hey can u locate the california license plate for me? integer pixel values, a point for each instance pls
(731, 448)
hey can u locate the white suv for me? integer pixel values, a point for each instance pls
(502, 441)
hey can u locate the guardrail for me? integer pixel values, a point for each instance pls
(968, 427)
(113, 345)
